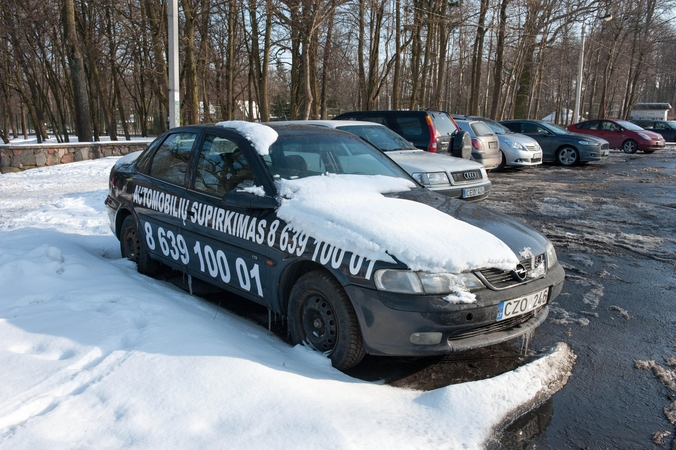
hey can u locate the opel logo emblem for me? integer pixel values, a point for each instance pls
(520, 272)
(469, 175)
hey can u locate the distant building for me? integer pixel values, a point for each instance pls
(650, 111)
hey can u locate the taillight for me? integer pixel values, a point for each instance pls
(432, 147)
(476, 143)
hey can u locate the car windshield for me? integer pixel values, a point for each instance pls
(629, 125)
(380, 137)
(554, 128)
(304, 153)
(443, 124)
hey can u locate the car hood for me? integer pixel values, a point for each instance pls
(422, 161)
(586, 137)
(652, 134)
(518, 137)
(520, 238)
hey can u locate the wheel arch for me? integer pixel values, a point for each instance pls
(293, 272)
(121, 214)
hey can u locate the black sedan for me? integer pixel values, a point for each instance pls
(223, 204)
(559, 145)
(667, 128)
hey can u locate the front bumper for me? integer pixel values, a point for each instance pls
(388, 320)
(594, 154)
(522, 158)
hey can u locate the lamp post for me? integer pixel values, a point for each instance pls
(580, 67)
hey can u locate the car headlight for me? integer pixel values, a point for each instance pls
(514, 145)
(586, 142)
(644, 136)
(430, 178)
(551, 255)
(407, 282)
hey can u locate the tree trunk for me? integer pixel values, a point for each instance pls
(83, 124)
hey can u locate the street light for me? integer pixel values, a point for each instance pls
(580, 66)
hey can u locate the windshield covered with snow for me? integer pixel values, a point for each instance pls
(316, 152)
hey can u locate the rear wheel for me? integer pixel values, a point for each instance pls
(321, 316)
(630, 146)
(568, 156)
(133, 247)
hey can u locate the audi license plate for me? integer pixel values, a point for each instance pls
(518, 306)
(472, 192)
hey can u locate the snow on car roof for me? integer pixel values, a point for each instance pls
(260, 136)
(351, 212)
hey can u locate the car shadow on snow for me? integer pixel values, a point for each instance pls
(419, 373)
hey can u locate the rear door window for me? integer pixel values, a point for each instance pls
(170, 162)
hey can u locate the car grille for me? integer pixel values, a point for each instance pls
(531, 148)
(605, 146)
(467, 176)
(502, 279)
(493, 327)
(535, 160)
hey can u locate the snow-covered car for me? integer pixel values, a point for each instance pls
(518, 150)
(321, 227)
(448, 175)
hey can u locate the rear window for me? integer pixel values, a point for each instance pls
(481, 129)
(443, 123)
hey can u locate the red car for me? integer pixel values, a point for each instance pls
(621, 134)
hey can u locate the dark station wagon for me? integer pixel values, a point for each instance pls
(206, 200)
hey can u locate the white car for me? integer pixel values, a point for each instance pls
(448, 175)
(518, 150)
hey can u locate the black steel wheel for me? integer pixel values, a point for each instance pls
(133, 247)
(321, 316)
(568, 156)
(630, 146)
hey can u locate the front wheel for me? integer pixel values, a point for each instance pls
(321, 316)
(630, 146)
(133, 247)
(568, 156)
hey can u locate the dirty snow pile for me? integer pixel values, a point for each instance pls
(95, 355)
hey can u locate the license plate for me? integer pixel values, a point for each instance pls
(605, 152)
(522, 305)
(492, 144)
(472, 192)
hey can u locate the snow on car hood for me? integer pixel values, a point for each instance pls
(351, 212)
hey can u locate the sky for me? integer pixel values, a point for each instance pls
(95, 355)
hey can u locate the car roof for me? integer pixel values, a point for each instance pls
(326, 123)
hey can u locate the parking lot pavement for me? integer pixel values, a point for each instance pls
(613, 226)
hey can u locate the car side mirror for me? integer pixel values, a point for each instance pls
(249, 200)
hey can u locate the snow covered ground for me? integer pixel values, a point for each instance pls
(94, 355)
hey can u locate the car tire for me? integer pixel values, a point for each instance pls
(133, 247)
(568, 156)
(321, 315)
(630, 146)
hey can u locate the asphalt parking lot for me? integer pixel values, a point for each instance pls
(613, 226)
